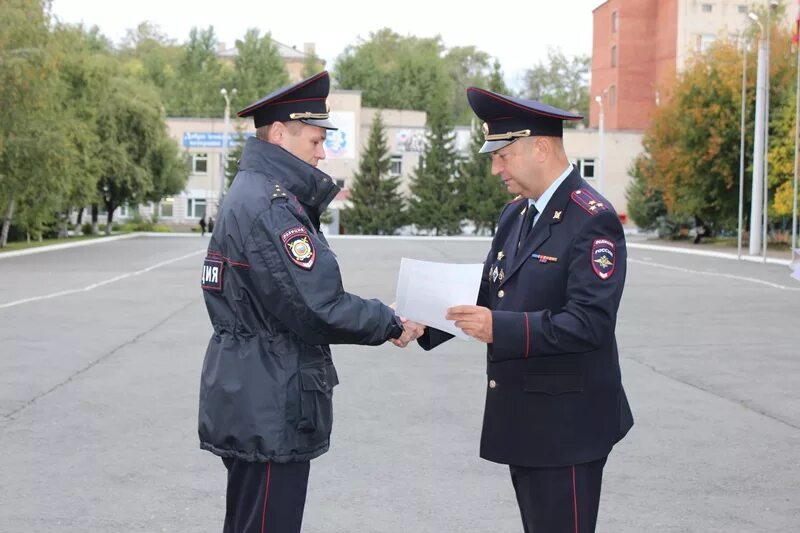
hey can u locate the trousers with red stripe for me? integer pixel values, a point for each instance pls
(562, 499)
(265, 497)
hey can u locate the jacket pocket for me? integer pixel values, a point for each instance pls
(553, 383)
(316, 395)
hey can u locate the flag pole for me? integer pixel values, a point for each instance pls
(793, 244)
(741, 149)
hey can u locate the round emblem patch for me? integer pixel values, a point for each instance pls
(603, 256)
(298, 245)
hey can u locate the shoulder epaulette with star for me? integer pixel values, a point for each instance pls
(588, 201)
(278, 192)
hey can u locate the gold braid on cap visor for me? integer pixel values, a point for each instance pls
(507, 135)
(307, 114)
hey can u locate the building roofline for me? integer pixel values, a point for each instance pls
(601, 5)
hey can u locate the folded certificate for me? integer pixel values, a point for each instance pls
(425, 291)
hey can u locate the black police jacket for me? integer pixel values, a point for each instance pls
(554, 395)
(274, 295)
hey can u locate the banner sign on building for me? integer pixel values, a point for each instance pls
(208, 139)
(414, 140)
(341, 143)
(410, 140)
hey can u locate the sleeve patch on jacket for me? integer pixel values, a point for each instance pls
(298, 245)
(603, 257)
(211, 276)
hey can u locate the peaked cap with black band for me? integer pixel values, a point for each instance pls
(506, 119)
(303, 101)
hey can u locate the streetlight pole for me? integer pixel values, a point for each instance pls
(758, 145)
(225, 136)
(602, 159)
(772, 5)
(741, 148)
(794, 244)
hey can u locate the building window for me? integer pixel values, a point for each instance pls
(612, 95)
(614, 21)
(614, 56)
(742, 8)
(704, 42)
(340, 183)
(706, 8)
(396, 165)
(586, 168)
(166, 207)
(195, 207)
(200, 163)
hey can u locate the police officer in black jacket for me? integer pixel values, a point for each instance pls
(274, 295)
(547, 309)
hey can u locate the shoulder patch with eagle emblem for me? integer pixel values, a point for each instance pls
(604, 253)
(298, 245)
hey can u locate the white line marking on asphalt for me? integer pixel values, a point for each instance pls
(66, 245)
(717, 274)
(101, 283)
(706, 253)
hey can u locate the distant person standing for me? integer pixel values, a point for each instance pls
(202, 225)
(210, 224)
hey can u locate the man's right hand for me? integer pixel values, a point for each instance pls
(411, 332)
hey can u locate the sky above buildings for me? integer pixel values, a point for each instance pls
(518, 33)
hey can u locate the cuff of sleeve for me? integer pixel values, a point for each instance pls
(511, 335)
(432, 338)
(396, 329)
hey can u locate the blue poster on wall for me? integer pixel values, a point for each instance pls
(208, 139)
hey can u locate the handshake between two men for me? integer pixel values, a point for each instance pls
(473, 320)
(432, 295)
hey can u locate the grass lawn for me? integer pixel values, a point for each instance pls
(22, 245)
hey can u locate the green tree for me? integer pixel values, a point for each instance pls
(435, 203)
(645, 203)
(259, 68)
(395, 72)
(468, 66)
(312, 64)
(141, 163)
(483, 195)
(781, 162)
(200, 76)
(377, 206)
(34, 142)
(691, 150)
(84, 70)
(234, 155)
(561, 82)
(151, 55)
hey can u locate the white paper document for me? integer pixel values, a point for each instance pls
(425, 291)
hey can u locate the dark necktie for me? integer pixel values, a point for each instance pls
(527, 223)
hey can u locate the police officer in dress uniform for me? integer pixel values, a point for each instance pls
(274, 295)
(547, 309)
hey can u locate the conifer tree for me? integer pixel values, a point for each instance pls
(483, 195)
(435, 204)
(377, 206)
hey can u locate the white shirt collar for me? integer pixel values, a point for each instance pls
(541, 202)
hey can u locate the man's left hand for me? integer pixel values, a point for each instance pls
(473, 320)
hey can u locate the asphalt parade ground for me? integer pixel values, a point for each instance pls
(100, 354)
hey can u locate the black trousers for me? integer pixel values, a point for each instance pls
(265, 497)
(563, 499)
